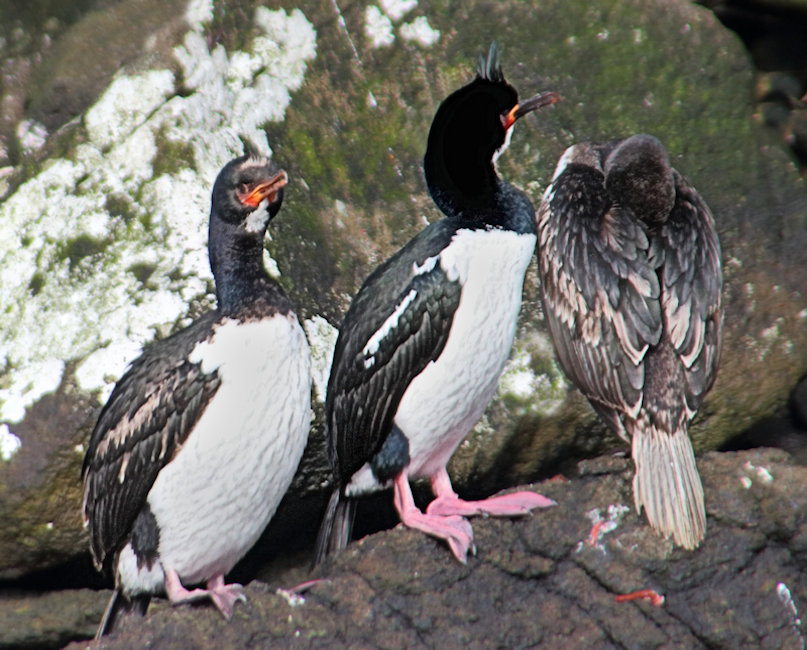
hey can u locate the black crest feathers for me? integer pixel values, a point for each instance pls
(490, 68)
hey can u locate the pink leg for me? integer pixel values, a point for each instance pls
(305, 586)
(507, 505)
(223, 596)
(454, 530)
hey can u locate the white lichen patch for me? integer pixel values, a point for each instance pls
(603, 523)
(526, 390)
(293, 599)
(31, 135)
(397, 9)
(96, 252)
(761, 473)
(419, 31)
(9, 443)
(378, 27)
(321, 339)
(379, 21)
(786, 598)
(769, 337)
(482, 434)
(198, 13)
(125, 105)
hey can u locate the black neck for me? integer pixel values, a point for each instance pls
(236, 259)
(460, 177)
(485, 201)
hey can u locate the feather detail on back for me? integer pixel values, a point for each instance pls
(631, 283)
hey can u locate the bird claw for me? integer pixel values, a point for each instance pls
(462, 541)
(456, 531)
(224, 598)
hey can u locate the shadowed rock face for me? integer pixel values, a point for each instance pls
(551, 579)
(114, 206)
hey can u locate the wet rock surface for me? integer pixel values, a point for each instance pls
(552, 579)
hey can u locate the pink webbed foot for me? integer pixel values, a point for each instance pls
(456, 531)
(447, 502)
(223, 596)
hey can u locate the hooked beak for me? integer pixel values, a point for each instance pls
(267, 189)
(527, 106)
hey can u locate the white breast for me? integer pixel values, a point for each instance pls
(215, 498)
(444, 402)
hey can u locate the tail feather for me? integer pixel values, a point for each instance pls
(117, 605)
(337, 524)
(668, 485)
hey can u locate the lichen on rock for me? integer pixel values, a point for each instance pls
(75, 237)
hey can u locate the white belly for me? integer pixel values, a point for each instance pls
(449, 396)
(215, 498)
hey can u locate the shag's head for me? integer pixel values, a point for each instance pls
(638, 176)
(248, 192)
(470, 129)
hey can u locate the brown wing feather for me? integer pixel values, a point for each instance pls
(688, 250)
(600, 293)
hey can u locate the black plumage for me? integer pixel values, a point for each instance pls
(631, 281)
(396, 336)
(368, 388)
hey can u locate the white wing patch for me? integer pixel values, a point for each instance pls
(388, 325)
(427, 266)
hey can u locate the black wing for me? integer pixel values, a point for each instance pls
(397, 323)
(688, 251)
(600, 293)
(147, 418)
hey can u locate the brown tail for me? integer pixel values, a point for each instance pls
(668, 485)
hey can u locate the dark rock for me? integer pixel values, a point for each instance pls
(773, 33)
(799, 401)
(796, 133)
(551, 579)
(49, 620)
(40, 489)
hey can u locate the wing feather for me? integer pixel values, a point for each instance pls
(691, 288)
(147, 418)
(384, 344)
(600, 292)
